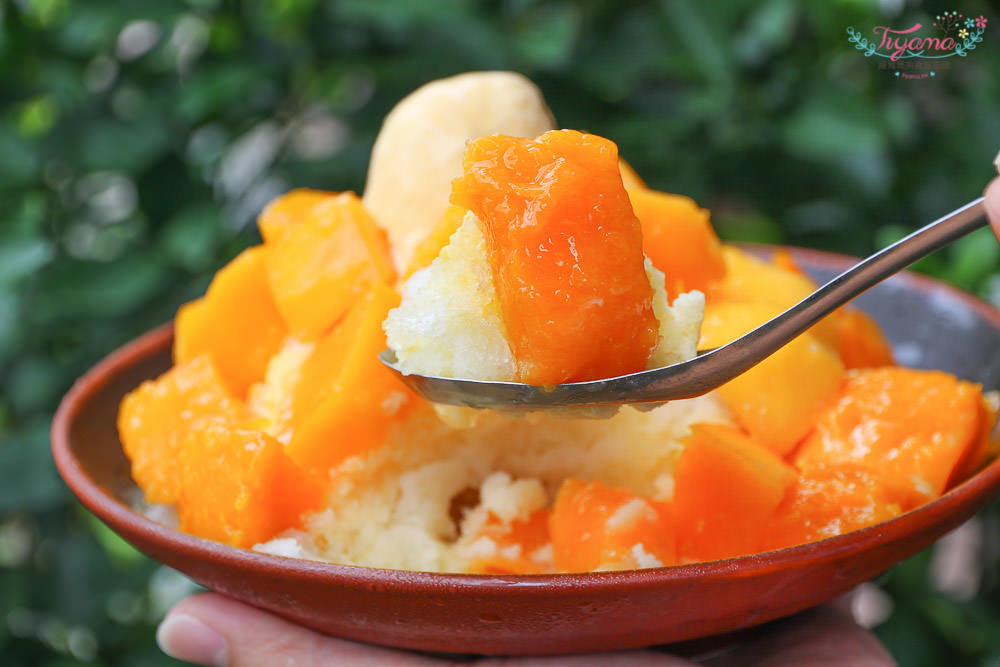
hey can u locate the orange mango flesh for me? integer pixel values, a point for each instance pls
(318, 267)
(678, 238)
(285, 212)
(630, 178)
(521, 546)
(593, 526)
(428, 249)
(778, 400)
(870, 444)
(783, 259)
(781, 284)
(726, 491)
(566, 253)
(236, 323)
(154, 418)
(239, 487)
(984, 448)
(829, 501)
(346, 399)
(861, 342)
(915, 427)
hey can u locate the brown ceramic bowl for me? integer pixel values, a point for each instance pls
(931, 325)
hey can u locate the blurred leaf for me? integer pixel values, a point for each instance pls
(101, 290)
(225, 34)
(91, 27)
(819, 215)
(15, 590)
(828, 129)
(211, 90)
(911, 642)
(953, 621)
(704, 38)
(34, 383)
(902, 119)
(190, 238)
(117, 548)
(5, 421)
(25, 218)
(18, 161)
(19, 259)
(284, 19)
(46, 13)
(747, 229)
(122, 146)
(401, 14)
(871, 171)
(66, 661)
(544, 37)
(10, 306)
(36, 116)
(78, 584)
(769, 28)
(63, 81)
(641, 33)
(28, 477)
(972, 259)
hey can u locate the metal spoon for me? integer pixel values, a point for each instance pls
(712, 368)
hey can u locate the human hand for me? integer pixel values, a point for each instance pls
(210, 629)
(213, 630)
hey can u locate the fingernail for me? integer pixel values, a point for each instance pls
(996, 162)
(186, 638)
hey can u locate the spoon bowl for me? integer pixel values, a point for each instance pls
(713, 368)
(931, 326)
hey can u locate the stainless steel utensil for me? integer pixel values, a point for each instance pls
(711, 368)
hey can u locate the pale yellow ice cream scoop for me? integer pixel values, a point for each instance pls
(419, 150)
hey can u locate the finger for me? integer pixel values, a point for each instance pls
(823, 636)
(992, 204)
(622, 659)
(210, 629)
(213, 630)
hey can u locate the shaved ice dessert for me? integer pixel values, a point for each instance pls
(490, 245)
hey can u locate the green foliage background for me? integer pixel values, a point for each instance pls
(138, 140)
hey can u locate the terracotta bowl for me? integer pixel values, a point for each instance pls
(931, 325)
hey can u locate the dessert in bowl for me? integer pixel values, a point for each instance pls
(504, 614)
(277, 430)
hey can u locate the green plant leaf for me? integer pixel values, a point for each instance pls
(190, 239)
(96, 290)
(122, 146)
(117, 548)
(28, 478)
(545, 37)
(19, 259)
(19, 162)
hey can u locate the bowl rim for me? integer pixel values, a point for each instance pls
(982, 486)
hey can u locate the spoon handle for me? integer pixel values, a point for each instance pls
(755, 346)
(712, 369)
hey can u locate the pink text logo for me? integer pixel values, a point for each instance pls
(950, 34)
